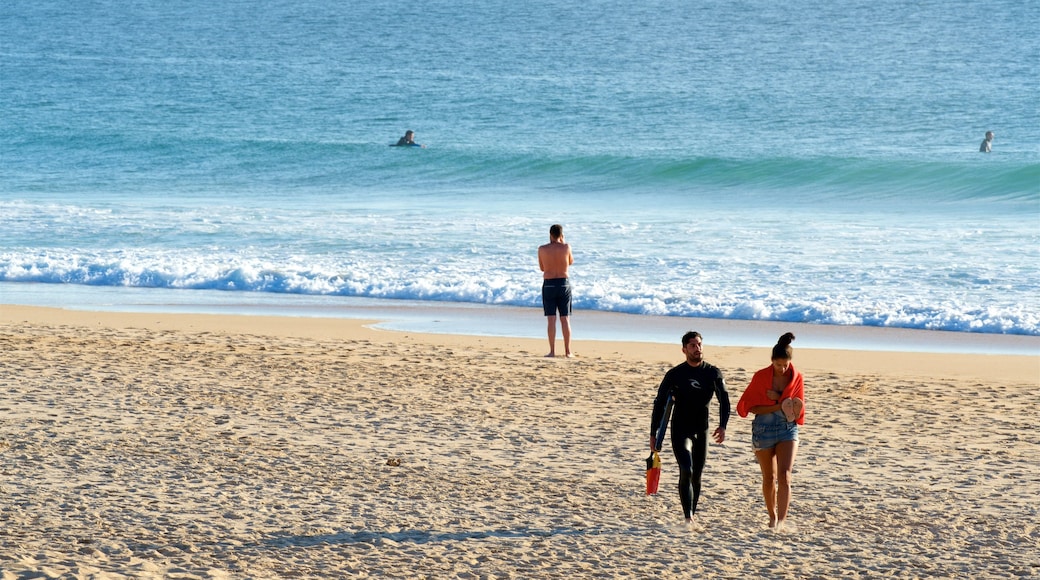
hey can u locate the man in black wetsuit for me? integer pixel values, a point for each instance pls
(987, 143)
(408, 140)
(690, 387)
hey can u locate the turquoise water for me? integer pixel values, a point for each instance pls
(806, 162)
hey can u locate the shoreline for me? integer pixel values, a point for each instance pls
(931, 365)
(509, 321)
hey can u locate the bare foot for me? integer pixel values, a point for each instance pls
(786, 527)
(551, 355)
(692, 524)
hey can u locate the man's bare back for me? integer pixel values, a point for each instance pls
(554, 258)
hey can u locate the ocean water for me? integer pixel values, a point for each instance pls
(803, 162)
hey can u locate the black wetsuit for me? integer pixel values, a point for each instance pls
(692, 389)
(405, 142)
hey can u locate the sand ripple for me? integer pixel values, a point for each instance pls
(131, 453)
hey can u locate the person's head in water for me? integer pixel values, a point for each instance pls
(556, 232)
(692, 347)
(409, 135)
(783, 353)
(987, 143)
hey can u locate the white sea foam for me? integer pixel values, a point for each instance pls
(826, 269)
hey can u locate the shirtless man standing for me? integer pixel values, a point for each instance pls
(553, 259)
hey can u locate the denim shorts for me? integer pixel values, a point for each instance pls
(768, 430)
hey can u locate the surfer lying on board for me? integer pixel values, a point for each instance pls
(408, 140)
(686, 390)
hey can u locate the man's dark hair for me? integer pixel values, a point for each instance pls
(686, 338)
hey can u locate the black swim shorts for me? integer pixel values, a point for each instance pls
(556, 297)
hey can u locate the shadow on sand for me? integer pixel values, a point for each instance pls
(422, 536)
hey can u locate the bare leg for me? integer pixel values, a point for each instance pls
(767, 463)
(565, 325)
(785, 454)
(552, 335)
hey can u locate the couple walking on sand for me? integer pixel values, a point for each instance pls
(775, 396)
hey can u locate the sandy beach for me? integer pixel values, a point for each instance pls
(202, 446)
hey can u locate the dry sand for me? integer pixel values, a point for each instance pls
(176, 446)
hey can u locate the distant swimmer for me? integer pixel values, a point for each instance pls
(987, 143)
(408, 140)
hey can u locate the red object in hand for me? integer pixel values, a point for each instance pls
(653, 473)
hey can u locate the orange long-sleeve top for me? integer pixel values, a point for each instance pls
(762, 381)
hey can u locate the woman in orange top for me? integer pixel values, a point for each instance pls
(776, 397)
